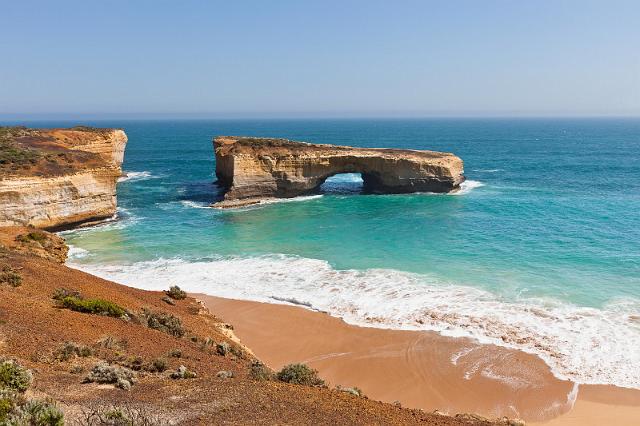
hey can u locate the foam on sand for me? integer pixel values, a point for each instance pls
(586, 345)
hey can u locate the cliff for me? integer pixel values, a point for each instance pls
(52, 178)
(255, 169)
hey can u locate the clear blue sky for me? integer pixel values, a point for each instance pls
(321, 58)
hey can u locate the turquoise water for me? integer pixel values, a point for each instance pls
(542, 247)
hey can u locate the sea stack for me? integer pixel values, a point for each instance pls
(59, 178)
(253, 170)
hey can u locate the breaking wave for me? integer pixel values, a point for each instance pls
(467, 186)
(136, 176)
(586, 345)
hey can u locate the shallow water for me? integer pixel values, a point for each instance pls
(540, 250)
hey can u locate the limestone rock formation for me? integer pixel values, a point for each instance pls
(53, 178)
(256, 169)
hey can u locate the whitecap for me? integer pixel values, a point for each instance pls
(76, 252)
(583, 344)
(467, 186)
(194, 204)
(136, 176)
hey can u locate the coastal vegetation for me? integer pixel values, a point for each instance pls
(119, 376)
(71, 350)
(300, 374)
(119, 415)
(13, 376)
(10, 276)
(167, 323)
(92, 306)
(176, 293)
(13, 155)
(259, 371)
(15, 408)
(33, 236)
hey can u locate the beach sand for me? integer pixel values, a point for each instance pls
(423, 369)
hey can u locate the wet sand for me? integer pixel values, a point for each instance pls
(423, 369)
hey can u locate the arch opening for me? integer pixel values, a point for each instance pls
(343, 183)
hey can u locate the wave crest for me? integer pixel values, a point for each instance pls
(586, 345)
(136, 176)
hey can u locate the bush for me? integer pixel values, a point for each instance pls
(300, 374)
(158, 365)
(61, 293)
(183, 373)
(353, 391)
(113, 343)
(70, 350)
(10, 276)
(37, 236)
(166, 323)
(13, 376)
(168, 300)
(259, 371)
(223, 348)
(93, 306)
(123, 415)
(176, 293)
(37, 413)
(113, 374)
(9, 401)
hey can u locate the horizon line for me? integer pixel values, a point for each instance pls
(257, 116)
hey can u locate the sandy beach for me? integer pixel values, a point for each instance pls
(424, 369)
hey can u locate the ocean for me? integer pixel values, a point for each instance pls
(540, 250)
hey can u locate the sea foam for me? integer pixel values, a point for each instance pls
(136, 176)
(586, 345)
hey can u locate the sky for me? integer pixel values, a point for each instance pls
(319, 58)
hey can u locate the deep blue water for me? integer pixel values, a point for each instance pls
(550, 218)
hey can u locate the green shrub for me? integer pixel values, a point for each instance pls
(176, 293)
(9, 401)
(114, 374)
(259, 371)
(183, 373)
(352, 390)
(61, 293)
(16, 410)
(10, 276)
(11, 153)
(158, 365)
(113, 343)
(13, 376)
(37, 236)
(70, 350)
(120, 415)
(300, 374)
(166, 323)
(93, 306)
(37, 413)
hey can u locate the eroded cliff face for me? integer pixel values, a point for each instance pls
(55, 178)
(255, 169)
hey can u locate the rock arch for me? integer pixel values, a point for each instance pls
(254, 169)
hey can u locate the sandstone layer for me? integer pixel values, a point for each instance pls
(54, 178)
(257, 169)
